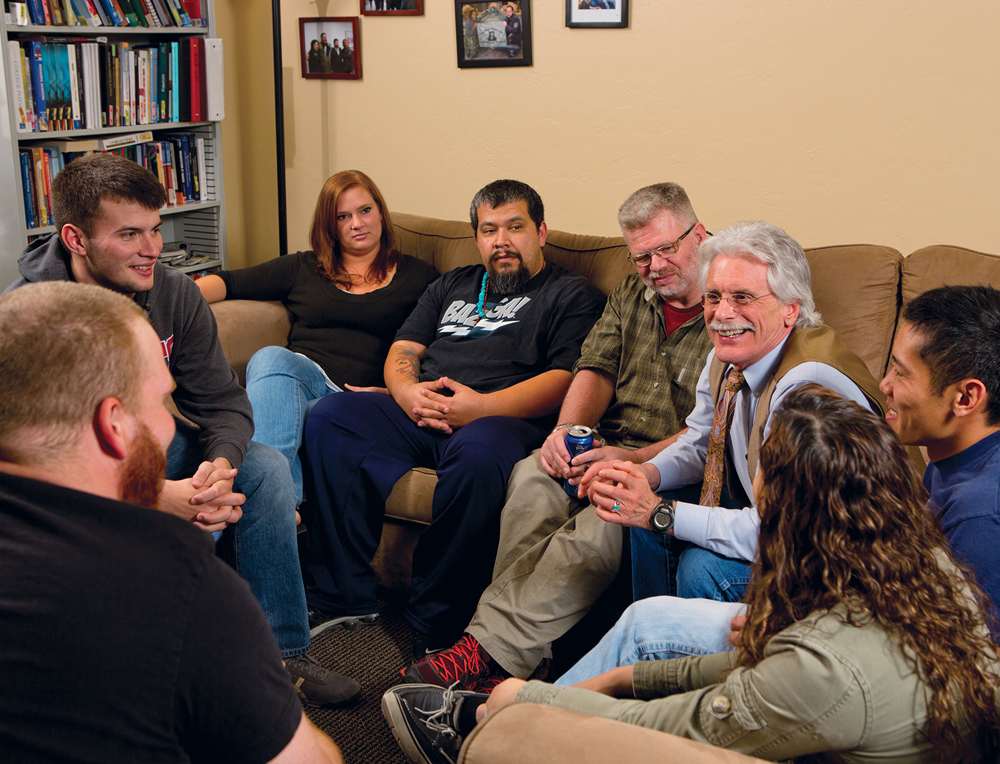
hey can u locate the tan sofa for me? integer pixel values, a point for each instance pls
(857, 287)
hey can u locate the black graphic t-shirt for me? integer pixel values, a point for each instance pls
(522, 335)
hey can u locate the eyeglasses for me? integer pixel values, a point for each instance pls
(736, 299)
(643, 259)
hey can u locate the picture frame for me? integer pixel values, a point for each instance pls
(597, 14)
(392, 7)
(493, 33)
(324, 57)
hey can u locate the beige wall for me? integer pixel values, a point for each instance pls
(848, 121)
(248, 134)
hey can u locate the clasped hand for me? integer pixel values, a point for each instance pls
(206, 499)
(620, 492)
(425, 404)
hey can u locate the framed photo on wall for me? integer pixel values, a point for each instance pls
(597, 13)
(392, 7)
(493, 33)
(331, 48)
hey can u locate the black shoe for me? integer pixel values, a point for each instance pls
(430, 722)
(318, 685)
(321, 620)
(425, 644)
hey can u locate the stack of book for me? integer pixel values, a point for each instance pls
(71, 84)
(114, 13)
(177, 159)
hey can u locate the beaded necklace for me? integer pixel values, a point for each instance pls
(481, 303)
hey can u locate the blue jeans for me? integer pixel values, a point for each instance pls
(665, 565)
(262, 545)
(282, 387)
(658, 628)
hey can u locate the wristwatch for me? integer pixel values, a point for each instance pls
(662, 519)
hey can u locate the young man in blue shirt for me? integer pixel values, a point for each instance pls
(943, 393)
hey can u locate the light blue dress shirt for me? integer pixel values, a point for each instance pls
(733, 532)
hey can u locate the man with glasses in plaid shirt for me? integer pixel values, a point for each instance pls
(634, 381)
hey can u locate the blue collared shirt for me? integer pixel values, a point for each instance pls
(733, 532)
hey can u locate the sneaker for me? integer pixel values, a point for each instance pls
(321, 620)
(465, 664)
(424, 719)
(318, 685)
(423, 644)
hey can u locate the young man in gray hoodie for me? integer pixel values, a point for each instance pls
(108, 233)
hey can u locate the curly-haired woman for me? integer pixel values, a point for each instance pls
(862, 637)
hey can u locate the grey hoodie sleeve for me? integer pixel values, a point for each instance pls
(208, 392)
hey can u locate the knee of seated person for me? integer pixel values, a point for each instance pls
(264, 361)
(638, 613)
(265, 466)
(475, 456)
(343, 407)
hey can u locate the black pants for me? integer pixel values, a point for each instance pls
(357, 445)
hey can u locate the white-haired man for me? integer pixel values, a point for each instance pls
(768, 339)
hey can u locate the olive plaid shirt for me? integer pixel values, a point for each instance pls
(655, 375)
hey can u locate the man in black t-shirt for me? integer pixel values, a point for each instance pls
(124, 637)
(107, 211)
(474, 377)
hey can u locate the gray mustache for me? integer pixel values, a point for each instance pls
(719, 326)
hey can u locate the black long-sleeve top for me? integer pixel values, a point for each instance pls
(347, 334)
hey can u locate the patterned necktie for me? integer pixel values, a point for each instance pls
(715, 460)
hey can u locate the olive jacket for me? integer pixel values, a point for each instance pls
(825, 691)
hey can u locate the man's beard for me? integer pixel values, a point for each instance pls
(503, 283)
(142, 473)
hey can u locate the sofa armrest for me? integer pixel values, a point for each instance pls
(533, 734)
(245, 326)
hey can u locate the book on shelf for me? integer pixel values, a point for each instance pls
(213, 90)
(177, 159)
(84, 83)
(112, 13)
(19, 13)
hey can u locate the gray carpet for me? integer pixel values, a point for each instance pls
(372, 654)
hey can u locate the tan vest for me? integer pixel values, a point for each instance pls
(805, 344)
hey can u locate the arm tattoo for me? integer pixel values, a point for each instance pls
(407, 364)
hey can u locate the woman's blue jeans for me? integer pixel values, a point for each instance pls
(659, 628)
(282, 387)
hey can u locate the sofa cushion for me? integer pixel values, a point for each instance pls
(602, 260)
(411, 496)
(943, 265)
(447, 244)
(245, 326)
(856, 288)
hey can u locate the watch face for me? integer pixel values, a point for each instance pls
(662, 519)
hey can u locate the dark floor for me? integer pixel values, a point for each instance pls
(372, 654)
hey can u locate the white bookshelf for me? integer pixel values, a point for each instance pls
(201, 224)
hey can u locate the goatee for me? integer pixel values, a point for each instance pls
(503, 283)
